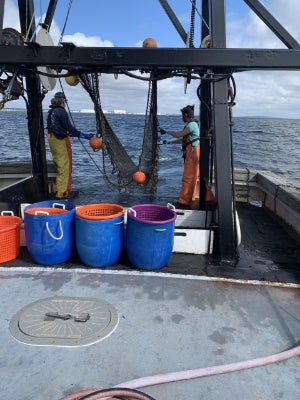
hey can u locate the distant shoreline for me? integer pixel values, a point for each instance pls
(132, 113)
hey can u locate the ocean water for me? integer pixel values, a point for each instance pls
(258, 143)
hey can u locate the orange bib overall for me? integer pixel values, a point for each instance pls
(191, 173)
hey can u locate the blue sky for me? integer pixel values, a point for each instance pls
(128, 23)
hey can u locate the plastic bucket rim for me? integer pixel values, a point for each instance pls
(118, 213)
(110, 220)
(67, 205)
(52, 211)
(14, 223)
(153, 206)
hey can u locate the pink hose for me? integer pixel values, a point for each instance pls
(209, 371)
(198, 373)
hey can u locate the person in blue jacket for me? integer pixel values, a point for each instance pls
(60, 129)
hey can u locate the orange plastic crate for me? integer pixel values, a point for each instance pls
(9, 237)
(100, 211)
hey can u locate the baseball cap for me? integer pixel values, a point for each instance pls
(60, 95)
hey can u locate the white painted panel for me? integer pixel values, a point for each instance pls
(193, 218)
(193, 241)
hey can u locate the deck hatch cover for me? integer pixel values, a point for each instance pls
(64, 321)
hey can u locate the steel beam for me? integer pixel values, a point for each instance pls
(34, 110)
(205, 116)
(1, 18)
(273, 24)
(225, 243)
(50, 14)
(103, 58)
(174, 20)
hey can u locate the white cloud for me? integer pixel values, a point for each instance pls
(79, 39)
(11, 11)
(271, 93)
(266, 93)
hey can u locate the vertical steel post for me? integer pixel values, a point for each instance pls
(2, 3)
(34, 109)
(205, 116)
(50, 14)
(225, 242)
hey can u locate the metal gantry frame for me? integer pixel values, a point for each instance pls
(216, 60)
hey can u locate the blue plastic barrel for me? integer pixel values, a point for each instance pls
(99, 233)
(150, 235)
(50, 239)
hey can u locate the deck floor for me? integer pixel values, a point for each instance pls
(193, 313)
(166, 324)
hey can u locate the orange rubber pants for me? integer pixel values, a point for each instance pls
(62, 158)
(191, 173)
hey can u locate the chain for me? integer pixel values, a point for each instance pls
(192, 24)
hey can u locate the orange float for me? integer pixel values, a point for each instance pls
(139, 177)
(96, 143)
(72, 80)
(150, 42)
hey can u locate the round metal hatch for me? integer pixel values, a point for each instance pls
(64, 322)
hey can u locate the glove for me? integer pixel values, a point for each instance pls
(86, 136)
(162, 131)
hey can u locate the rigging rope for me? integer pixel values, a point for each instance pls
(65, 23)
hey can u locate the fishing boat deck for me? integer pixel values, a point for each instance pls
(193, 313)
(166, 323)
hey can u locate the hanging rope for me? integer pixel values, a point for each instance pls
(65, 23)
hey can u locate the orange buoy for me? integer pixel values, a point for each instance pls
(72, 80)
(150, 42)
(96, 143)
(139, 177)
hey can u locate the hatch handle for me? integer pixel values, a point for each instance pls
(83, 317)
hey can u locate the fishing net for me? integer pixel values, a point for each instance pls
(123, 167)
(149, 156)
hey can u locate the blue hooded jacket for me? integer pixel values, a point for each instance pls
(59, 124)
